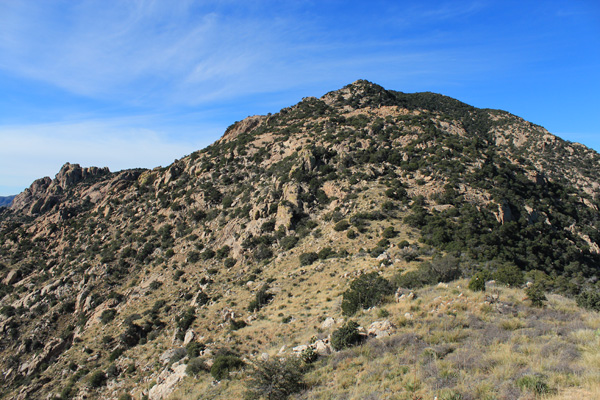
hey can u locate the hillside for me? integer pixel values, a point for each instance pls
(116, 283)
(6, 200)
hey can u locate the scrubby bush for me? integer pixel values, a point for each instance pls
(229, 262)
(184, 321)
(510, 275)
(274, 379)
(195, 366)
(288, 242)
(477, 282)
(308, 258)
(389, 232)
(346, 336)
(536, 294)
(194, 349)
(261, 298)
(589, 300)
(366, 291)
(445, 269)
(97, 379)
(224, 364)
(341, 226)
(107, 315)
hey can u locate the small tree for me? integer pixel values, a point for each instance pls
(365, 291)
(536, 294)
(224, 364)
(274, 379)
(345, 336)
(477, 282)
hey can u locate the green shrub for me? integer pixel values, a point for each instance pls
(510, 275)
(366, 291)
(341, 226)
(185, 320)
(477, 282)
(536, 294)
(345, 336)
(107, 315)
(288, 242)
(223, 252)
(351, 234)
(194, 349)
(207, 254)
(229, 262)
(308, 258)
(195, 366)
(389, 232)
(445, 269)
(274, 379)
(589, 300)
(224, 364)
(261, 298)
(97, 379)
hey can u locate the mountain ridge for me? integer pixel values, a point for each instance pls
(279, 216)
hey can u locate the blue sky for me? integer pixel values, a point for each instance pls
(140, 83)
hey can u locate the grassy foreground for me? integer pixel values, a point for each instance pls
(455, 344)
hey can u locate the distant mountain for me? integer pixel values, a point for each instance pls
(6, 200)
(366, 207)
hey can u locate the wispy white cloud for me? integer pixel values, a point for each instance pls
(187, 52)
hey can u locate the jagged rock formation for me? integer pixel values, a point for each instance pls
(104, 272)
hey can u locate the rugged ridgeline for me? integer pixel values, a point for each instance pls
(116, 283)
(6, 200)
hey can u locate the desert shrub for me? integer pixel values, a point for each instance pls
(116, 353)
(536, 294)
(509, 274)
(261, 298)
(389, 232)
(351, 234)
(107, 315)
(235, 324)
(112, 371)
(274, 379)
(326, 252)
(589, 300)
(193, 349)
(224, 364)
(223, 252)
(346, 336)
(155, 285)
(185, 320)
(195, 366)
(8, 311)
(411, 280)
(97, 379)
(229, 262)
(477, 282)
(263, 252)
(288, 242)
(341, 226)
(308, 258)
(366, 291)
(445, 269)
(207, 254)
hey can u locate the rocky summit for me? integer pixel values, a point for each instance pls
(368, 244)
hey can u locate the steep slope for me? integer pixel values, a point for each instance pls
(246, 246)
